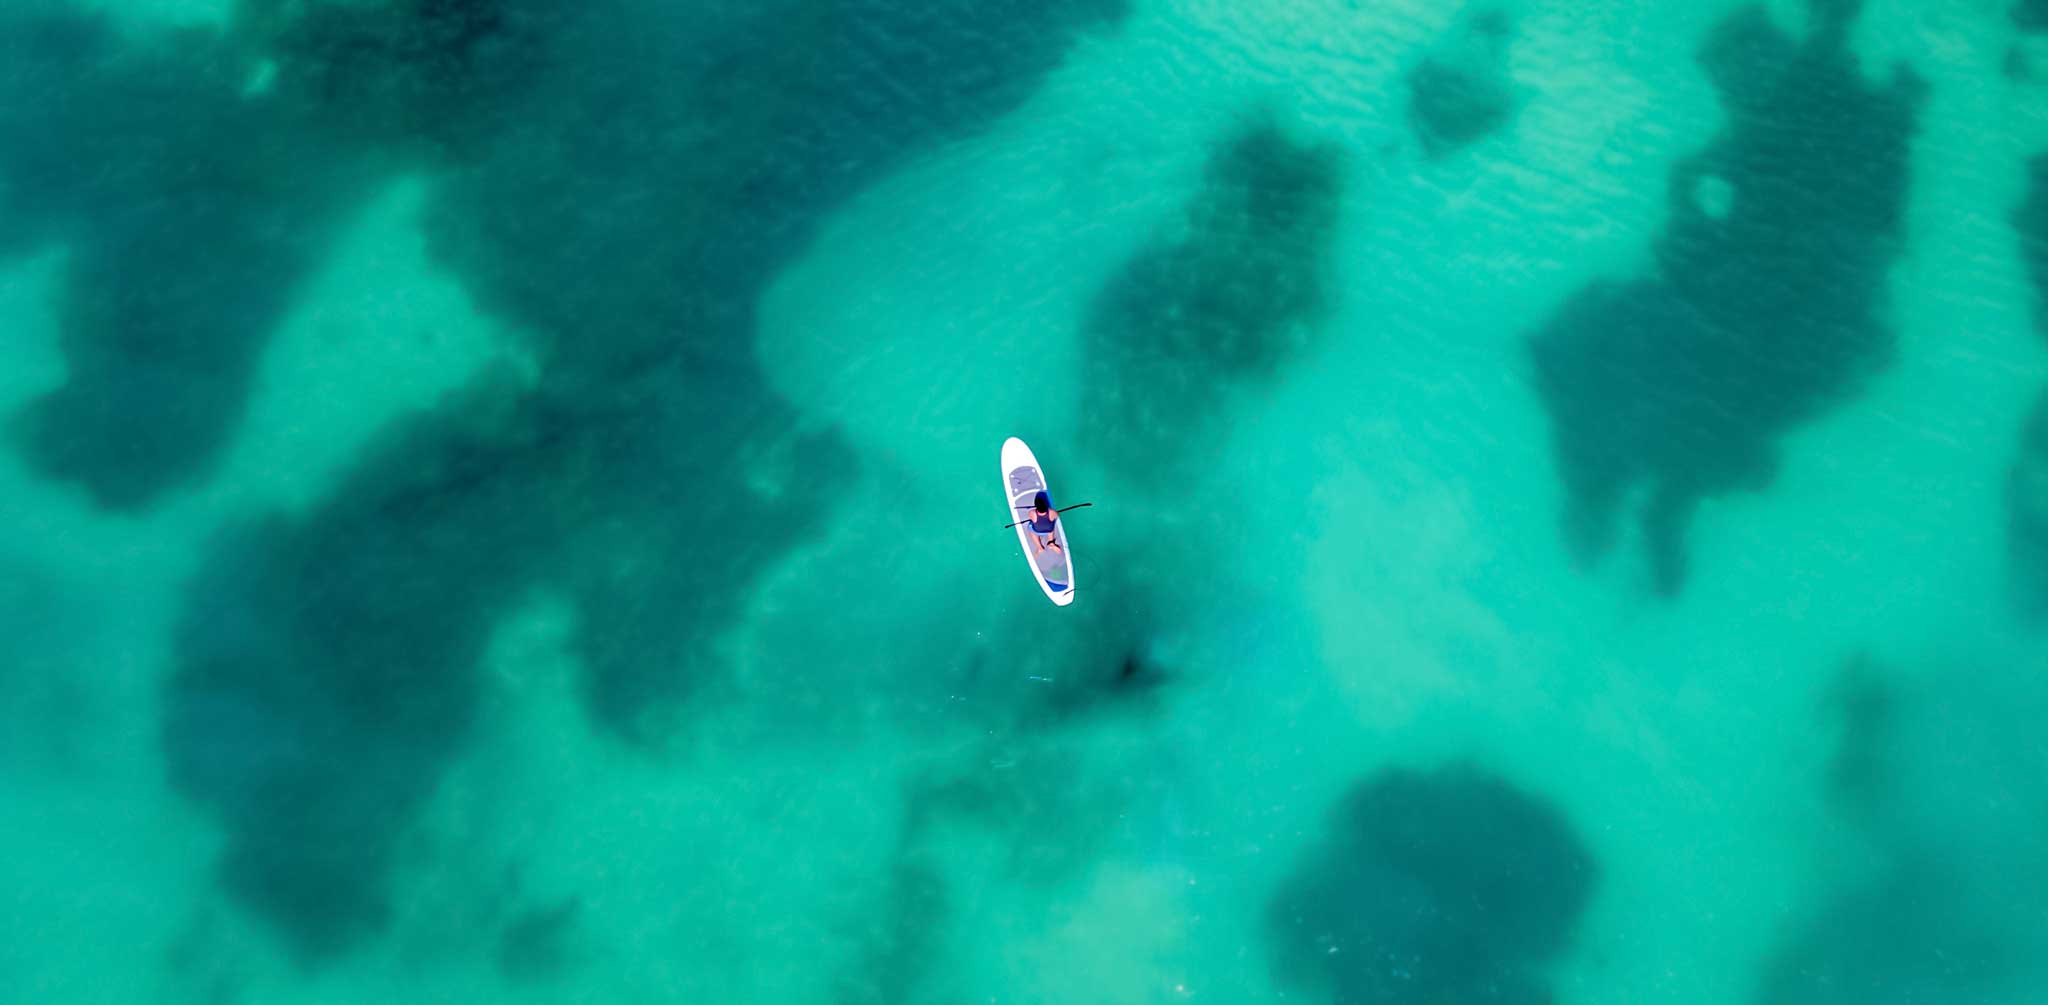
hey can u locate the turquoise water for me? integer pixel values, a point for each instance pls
(504, 501)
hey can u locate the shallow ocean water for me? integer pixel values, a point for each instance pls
(504, 501)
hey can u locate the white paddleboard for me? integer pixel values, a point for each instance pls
(1022, 480)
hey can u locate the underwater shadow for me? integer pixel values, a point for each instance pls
(1766, 306)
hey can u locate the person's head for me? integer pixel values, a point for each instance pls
(1040, 503)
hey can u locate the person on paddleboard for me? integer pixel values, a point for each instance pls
(1044, 521)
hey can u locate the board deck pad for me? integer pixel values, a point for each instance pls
(1025, 484)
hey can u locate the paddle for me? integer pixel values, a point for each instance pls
(1062, 509)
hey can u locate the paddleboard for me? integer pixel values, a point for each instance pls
(1023, 479)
